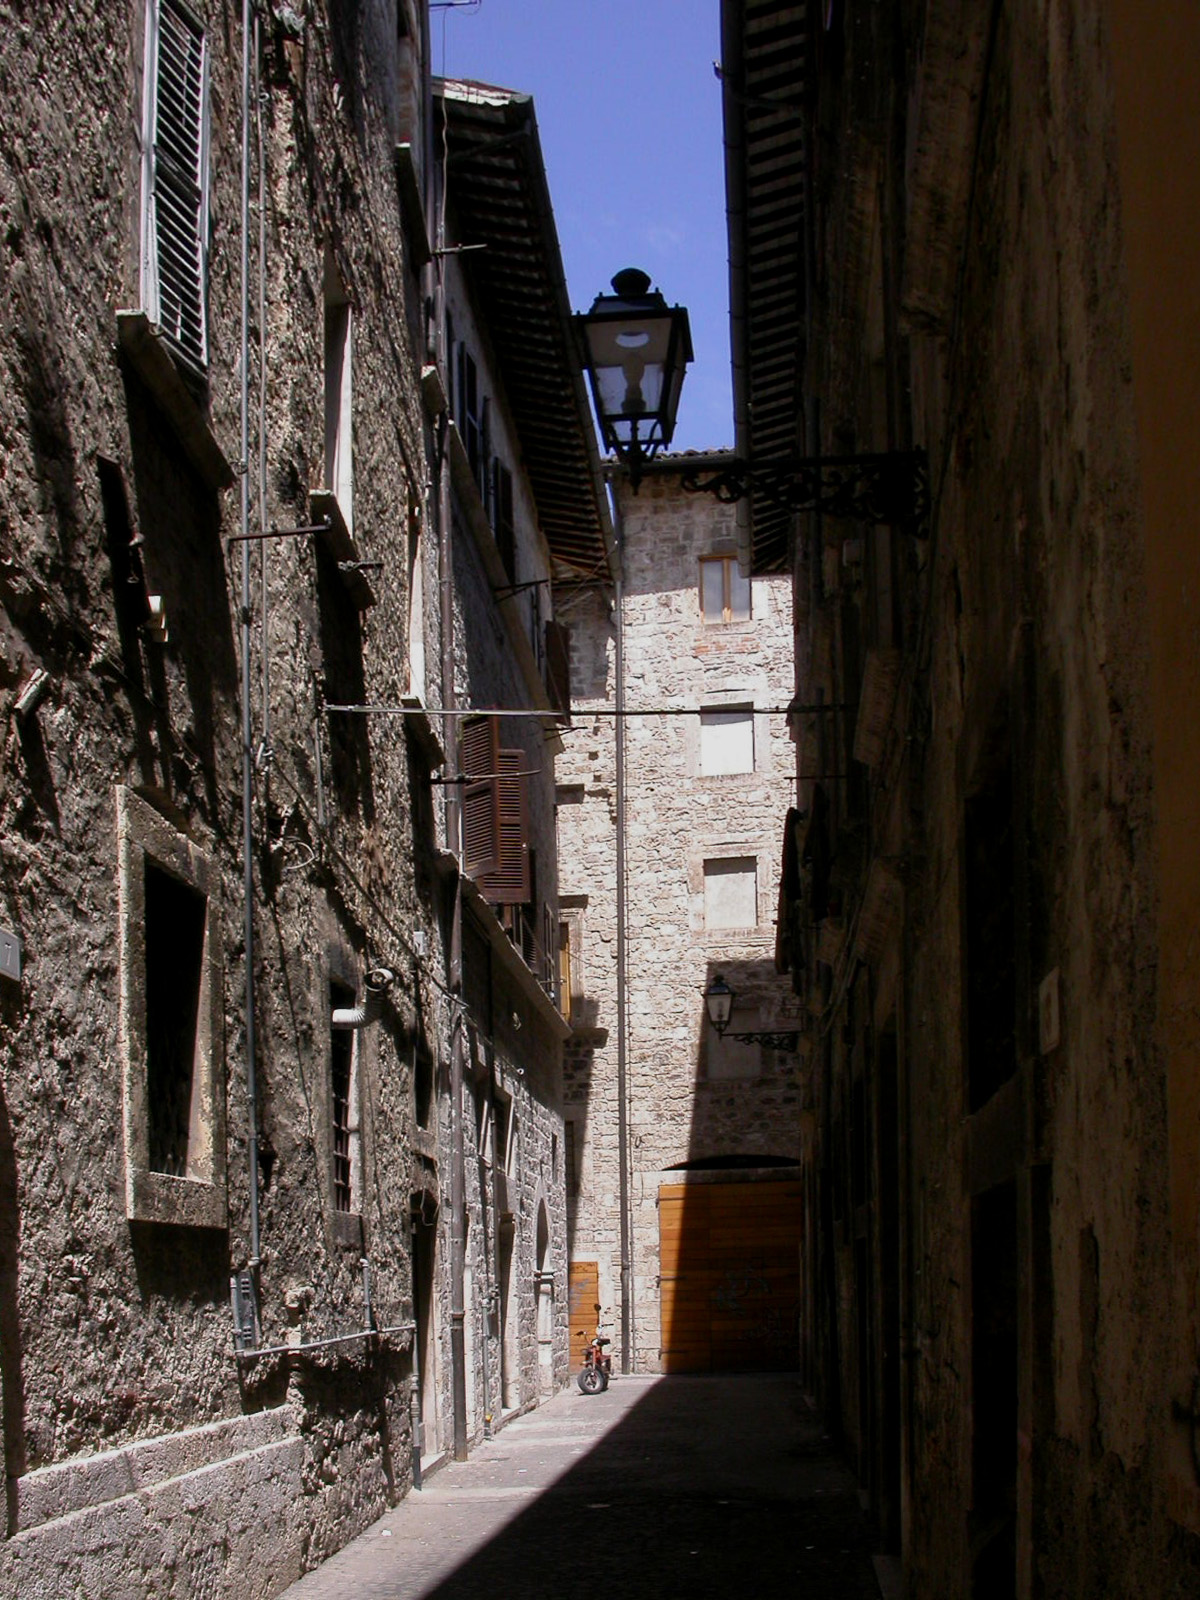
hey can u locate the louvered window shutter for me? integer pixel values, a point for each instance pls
(558, 666)
(175, 229)
(510, 884)
(502, 518)
(480, 759)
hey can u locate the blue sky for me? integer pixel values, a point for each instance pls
(629, 114)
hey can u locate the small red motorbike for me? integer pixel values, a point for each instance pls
(597, 1365)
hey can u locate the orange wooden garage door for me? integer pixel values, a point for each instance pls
(729, 1276)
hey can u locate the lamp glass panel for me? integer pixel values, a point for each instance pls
(628, 356)
(739, 594)
(718, 1001)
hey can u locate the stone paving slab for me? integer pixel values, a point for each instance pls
(666, 1487)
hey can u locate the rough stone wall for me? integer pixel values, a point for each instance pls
(512, 1359)
(1034, 640)
(1043, 554)
(118, 1334)
(679, 1109)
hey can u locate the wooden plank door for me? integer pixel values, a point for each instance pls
(729, 1264)
(583, 1295)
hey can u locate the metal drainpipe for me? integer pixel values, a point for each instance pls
(247, 731)
(450, 728)
(627, 1351)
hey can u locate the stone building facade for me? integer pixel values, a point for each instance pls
(988, 902)
(280, 1099)
(706, 662)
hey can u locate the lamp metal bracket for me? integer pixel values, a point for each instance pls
(890, 488)
(773, 1041)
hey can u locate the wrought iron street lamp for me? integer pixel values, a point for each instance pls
(718, 1001)
(636, 349)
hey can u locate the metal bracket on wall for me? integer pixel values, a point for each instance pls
(306, 532)
(773, 1041)
(890, 488)
(509, 590)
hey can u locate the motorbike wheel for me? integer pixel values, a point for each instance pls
(592, 1381)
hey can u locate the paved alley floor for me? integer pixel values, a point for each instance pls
(675, 1488)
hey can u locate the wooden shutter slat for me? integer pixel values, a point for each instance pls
(479, 755)
(178, 183)
(558, 666)
(509, 884)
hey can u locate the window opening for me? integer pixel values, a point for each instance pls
(733, 1060)
(470, 420)
(422, 1085)
(339, 472)
(341, 1078)
(175, 919)
(502, 1118)
(484, 1130)
(503, 526)
(484, 476)
(726, 741)
(731, 892)
(724, 592)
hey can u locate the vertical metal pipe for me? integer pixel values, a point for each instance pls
(264, 547)
(627, 1319)
(247, 731)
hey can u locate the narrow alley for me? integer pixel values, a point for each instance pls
(488, 875)
(660, 1487)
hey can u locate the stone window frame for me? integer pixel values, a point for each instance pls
(570, 922)
(717, 713)
(727, 858)
(730, 1060)
(200, 1199)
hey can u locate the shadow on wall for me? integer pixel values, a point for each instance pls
(345, 684)
(132, 611)
(45, 385)
(178, 519)
(730, 1228)
(12, 1381)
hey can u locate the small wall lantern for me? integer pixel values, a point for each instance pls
(718, 1002)
(636, 349)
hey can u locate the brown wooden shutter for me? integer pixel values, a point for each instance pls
(503, 526)
(479, 756)
(509, 884)
(558, 666)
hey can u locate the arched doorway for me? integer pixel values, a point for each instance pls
(543, 1288)
(426, 1430)
(510, 1365)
